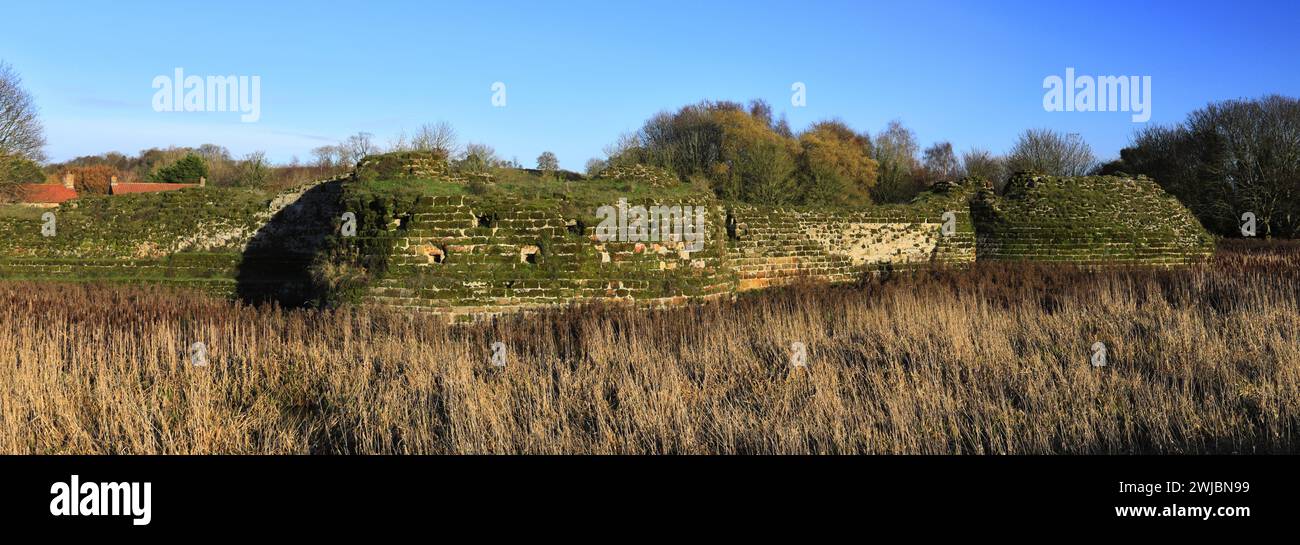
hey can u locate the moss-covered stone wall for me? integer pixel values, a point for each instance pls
(190, 238)
(193, 238)
(433, 245)
(1087, 219)
(771, 246)
(465, 256)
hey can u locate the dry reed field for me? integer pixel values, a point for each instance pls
(990, 360)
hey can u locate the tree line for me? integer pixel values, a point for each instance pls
(1225, 160)
(744, 153)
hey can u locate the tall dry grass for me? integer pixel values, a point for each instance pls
(989, 360)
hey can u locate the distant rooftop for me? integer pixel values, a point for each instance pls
(47, 193)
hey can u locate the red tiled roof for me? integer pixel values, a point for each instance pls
(144, 187)
(47, 193)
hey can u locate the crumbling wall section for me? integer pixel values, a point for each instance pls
(464, 257)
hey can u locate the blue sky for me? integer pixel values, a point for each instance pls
(579, 73)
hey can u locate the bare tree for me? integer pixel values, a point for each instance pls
(213, 152)
(21, 133)
(941, 163)
(478, 158)
(594, 167)
(1226, 159)
(546, 162)
(895, 150)
(1048, 152)
(979, 163)
(355, 148)
(1255, 159)
(399, 143)
(625, 150)
(896, 147)
(326, 156)
(437, 137)
(254, 170)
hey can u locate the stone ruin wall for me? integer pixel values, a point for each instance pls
(457, 258)
(452, 260)
(462, 257)
(1088, 220)
(774, 246)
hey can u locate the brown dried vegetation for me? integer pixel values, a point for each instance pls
(994, 359)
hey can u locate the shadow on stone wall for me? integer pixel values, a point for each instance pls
(275, 263)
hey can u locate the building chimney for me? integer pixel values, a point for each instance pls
(112, 185)
(203, 181)
(67, 181)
